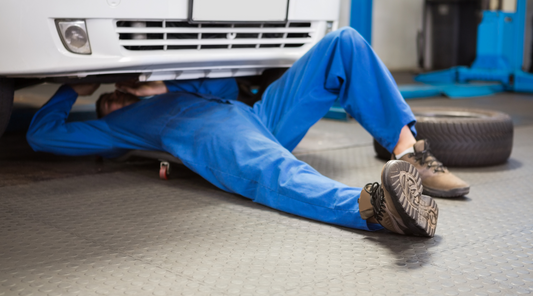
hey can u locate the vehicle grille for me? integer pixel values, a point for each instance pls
(181, 35)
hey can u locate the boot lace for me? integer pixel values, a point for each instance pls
(377, 199)
(425, 156)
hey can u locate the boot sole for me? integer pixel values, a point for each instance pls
(419, 213)
(457, 192)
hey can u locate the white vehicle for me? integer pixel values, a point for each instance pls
(109, 40)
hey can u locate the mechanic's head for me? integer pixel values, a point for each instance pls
(110, 102)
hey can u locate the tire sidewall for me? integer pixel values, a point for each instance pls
(484, 139)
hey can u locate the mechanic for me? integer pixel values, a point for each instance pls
(247, 150)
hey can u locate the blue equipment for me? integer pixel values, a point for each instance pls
(500, 50)
(361, 18)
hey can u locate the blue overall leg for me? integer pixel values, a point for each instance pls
(342, 65)
(247, 151)
(227, 143)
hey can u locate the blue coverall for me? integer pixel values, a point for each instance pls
(247, 150)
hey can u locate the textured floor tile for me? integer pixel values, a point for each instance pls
(126, 233)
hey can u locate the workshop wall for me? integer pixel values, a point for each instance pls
(395, 24)
(344, 13)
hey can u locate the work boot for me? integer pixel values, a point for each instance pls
(398, 204)
(437, 180)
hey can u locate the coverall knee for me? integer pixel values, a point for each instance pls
(342, 66)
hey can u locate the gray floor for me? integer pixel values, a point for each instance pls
(80, 226)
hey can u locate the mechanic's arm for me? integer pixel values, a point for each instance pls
(50, 132)
(224, 88)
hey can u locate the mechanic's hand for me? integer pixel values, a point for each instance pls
(143, 89)
(85, 89)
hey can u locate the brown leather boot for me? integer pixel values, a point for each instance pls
(437, 180)
(398, 204)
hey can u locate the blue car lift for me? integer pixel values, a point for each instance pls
(361, 20)
(497, 67)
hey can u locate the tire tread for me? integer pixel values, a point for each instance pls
(463, 142)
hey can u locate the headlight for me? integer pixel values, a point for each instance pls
(74, 36)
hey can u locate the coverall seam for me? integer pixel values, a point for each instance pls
(278, 193)
(113, 145)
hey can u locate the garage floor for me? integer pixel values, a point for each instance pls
(83, 226)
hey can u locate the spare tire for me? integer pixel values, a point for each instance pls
(462, 137)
